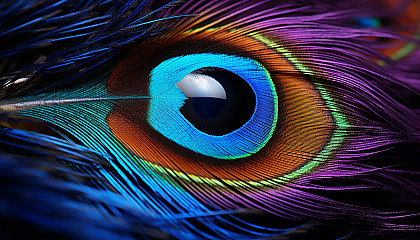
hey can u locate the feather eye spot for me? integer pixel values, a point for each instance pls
(167, 114)
(300, 127)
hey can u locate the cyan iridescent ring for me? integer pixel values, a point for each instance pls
(166, 100)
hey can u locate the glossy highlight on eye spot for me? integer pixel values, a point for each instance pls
(198, 85)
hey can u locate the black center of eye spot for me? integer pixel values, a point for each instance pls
(219, 101)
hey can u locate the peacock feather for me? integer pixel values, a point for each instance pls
(201, 119)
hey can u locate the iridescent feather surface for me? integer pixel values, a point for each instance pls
(196, 119)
